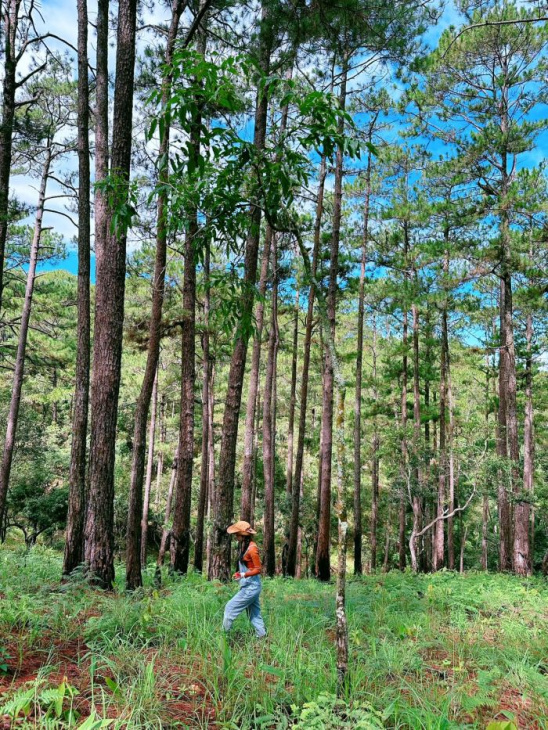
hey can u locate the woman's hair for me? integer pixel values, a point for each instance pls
(243, 549)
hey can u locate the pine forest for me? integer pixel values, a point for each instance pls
(278, 266)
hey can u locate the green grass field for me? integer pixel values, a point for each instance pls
(430, 651)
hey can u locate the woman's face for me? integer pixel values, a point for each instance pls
(239, 537)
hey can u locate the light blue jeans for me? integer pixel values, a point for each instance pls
(247, 598)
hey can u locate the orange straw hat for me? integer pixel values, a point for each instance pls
(241, 528)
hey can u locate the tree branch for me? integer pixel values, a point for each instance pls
(196, 23)
(24, 80)
(493, 23)
(445, 515)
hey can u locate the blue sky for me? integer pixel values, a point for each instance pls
(70, 264)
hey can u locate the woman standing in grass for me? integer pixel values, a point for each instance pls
(249, 577)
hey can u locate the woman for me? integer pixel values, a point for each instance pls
(249, 577)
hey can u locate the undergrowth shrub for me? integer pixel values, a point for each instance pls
(432, 652)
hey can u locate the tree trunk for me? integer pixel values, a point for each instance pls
(211, 461)
(10, 32)
(249, 432)
(204, 474)
(341, 625)
(160, 465)
(17, 383)
(522, 509)
(340, 598)
(74, 542)
(255, 460)
(268, 439)
(426, 547)
(298, 568)
(358, 569)
(248, 484)
(134, 531)
(485, 500)
(166, 532)
(386, 559)
(101, 115)
(450, 523)
(180, 543)
(223, 510)
(148, 479)
(502, 444)
(323, 560)
(298, 478)
(375, 461)
(320, 460)
(109, 319)
(292, 393)
(484, 523)
(439, 537)
(404, 452)
(462, 546)
(417, 470)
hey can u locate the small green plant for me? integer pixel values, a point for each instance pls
(5, 656)
(94, 723)
(329, 713)
(46, 703)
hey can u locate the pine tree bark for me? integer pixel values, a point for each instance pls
(148, 477)
(320, 458)
(511, 392)
(248, 472)
(101, 115)
(206, 380)
(508, 444)
(180, 543)
(502, 444)
(323, 560)
(109, 318)
(74, 540)
(211, 459)
(426, 547)
(342, 521)
(385, 562)
(255, 460)
(268, 435)
(10, 21)
(522, 509)
(223, 510)
(375, 489)
(451, 475)
(299, 456)
(166, 532)
(358, 568)
(375, 461)
(135, 508)
(404, 450)
(484, 523)
(251, 406)
(340, 598)
(439, 535)
(417, 470)
(160, 464)
(19, 372)
(292, 393)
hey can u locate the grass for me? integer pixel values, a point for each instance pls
(436, 652)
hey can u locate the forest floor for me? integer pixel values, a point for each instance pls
(431, 651)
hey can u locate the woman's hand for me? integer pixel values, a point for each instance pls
(236, 576)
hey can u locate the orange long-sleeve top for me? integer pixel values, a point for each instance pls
(252, 561)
